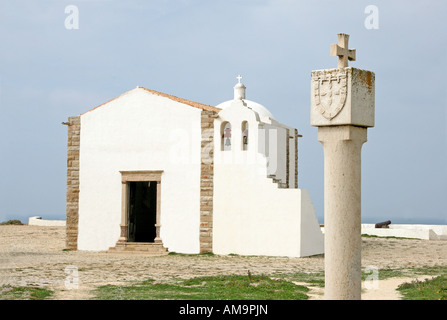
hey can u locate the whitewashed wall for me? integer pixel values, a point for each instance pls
(252, 216)
(140, 131)
(417, 231)
(272, 142)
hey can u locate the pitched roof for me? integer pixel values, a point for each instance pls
(184, 101)
(174, 98)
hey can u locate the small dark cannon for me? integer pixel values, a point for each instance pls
(383, 224)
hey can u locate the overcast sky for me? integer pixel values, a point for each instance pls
(195, 49)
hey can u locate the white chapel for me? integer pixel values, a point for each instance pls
(148, 171)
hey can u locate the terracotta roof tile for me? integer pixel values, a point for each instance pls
(184, 101)
(174, 98)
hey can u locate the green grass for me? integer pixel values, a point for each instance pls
(315, 279)
(430, 289)
(259, 287)
(432, 271)
(244, 287)
(384, 274)
(24, 293)
(232, 287)
(12, 222)
(386, 237)
(407, 272)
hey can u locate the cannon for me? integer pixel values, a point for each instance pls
(383, 224)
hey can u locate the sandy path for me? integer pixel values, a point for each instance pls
(31, 255)
(386, 289)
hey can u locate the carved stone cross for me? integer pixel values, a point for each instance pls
(239, 77)
(342, 51)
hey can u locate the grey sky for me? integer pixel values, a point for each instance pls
(194, 50)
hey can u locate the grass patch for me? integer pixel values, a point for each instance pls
(315, 279)
(253, 287)
(431, 271)
(232, 287)
(430, 289)
(386, 237)
(406, 272)
(12, 222)
(383, 273)
(24, 293)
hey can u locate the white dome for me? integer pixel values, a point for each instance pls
(260, 109)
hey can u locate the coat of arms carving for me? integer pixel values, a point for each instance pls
(330, 91)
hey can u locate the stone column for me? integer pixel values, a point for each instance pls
(342, 107)
(123, 225)
(157, 218)
(342, 210)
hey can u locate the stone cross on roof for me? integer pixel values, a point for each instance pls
(342, 51)
(239, 77)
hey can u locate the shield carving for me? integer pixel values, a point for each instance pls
(330, 93)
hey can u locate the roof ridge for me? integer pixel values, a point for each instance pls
(169, 96)
(182, 100)
(106, 102)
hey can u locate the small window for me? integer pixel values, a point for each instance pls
(226, 136)
(244, 129)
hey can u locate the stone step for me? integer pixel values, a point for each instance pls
(281, 185)
(139, 247)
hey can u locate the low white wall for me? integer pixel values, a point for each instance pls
(37, 221)
(417, 231)
(260, 218)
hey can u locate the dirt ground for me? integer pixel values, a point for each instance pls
(32, 255)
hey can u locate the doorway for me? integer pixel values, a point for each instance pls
(142, 211)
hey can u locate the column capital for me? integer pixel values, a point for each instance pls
(342, 133)
(342, 97)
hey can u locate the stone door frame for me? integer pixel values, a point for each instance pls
(135, 176)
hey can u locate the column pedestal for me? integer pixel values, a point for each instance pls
(123, 235)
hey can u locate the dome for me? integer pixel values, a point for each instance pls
(239, 94)
(260, 109)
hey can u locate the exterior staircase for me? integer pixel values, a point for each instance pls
(281, 185)
(150, 248)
